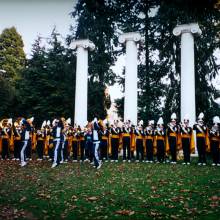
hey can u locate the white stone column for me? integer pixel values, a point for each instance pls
(130, 102)
(188, 101)
(81, 94)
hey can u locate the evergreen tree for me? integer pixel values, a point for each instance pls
(47, 85)
(12, 56)
(12, 62)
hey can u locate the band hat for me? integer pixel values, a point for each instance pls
(141, 123)
(31, 119)
(95, 120)
(186, 117)
(43, 124)
(216, 120)
(173, 117)
(151, 122)
(160, 121)
(68, 121)
(201, 116)
(9, 121)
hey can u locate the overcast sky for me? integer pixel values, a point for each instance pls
(36, 17)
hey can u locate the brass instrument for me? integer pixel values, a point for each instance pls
(4, 122)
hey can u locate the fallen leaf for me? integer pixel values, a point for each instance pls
(23, 199)
(125, 212)
(74, 198)
(215, 198)
(93, 198)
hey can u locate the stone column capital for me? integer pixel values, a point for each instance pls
(131, 36)
(187, 28)
(85, 43)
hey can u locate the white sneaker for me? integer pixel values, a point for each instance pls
(151, 161)
(199, 164)
(61, 161)
(74, 161)
(54, 165)
(99, 166)
(213, 164)
(39, 159)
(174, 162)
(17, 159)
(183, 163)
(112, 161)
(23, 164)
(30, 159)
(204, 164)
(137, 161)
(188, 163)
(14, 159)
(124, 161)
(218, 164)
(116, 161)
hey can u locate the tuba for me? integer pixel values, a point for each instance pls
(4, 122)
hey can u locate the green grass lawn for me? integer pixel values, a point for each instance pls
(116, 191)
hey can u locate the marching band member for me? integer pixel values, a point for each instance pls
(25, 137)
(172, 135)
(29, 144)
(126, 141)
(104, 141)
(214, 135)
(17, 140)
(139, 135)
(57, 135)
(187, 139)
(96, 142)
(89, 144)
(149, 137)
(82, 132)
(160, 134)
(48, 144)
(75, 143)
(201, 139)
(6, 136)
(64, 144)
(41, 141)
(115, 131)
